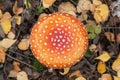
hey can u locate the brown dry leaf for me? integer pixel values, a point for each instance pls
(75, 73)
(116, 78)
(92, 7)
(22, 75)
(101, 67)
(6, 16)
(42, 15)
(97, 2)
(6, 26)
(110, 36)
(83, 5)
(24, 44)
(2, 55)
(67, 7)
(16, 66)
(47, 3)
(116, 64)
(1, 13)
(83, 16)
(93, 47)
(11, 35)
(17, 10)
(12, 73)
(66, 70)
(80, 78)
(101, 13)
(104, 56)
(6, 42)
(118, 38)
(106, 77)
(18, 19)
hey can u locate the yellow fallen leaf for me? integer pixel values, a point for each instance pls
(101, 13)
(22, 75)
(75, 73)
(6, 26)
(66, 70)
(17, 10)
(110, 36)
(24, 44)
(104, 56)
(2, 55)
(16, 66)
(6, 42)
(116, 78)
(18, 19)
(116, 64)
(1, 13)
(47, 3)
(101, 67)
(80, 78)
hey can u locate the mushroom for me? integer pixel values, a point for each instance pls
(58, 40)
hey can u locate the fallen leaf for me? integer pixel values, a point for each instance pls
(110, 36)
(24, 44)
(101, 67)
(18, 19)
(66, 70)
(104, 56)
(106, 77)
(83, 16)
(97, 2)
(116, 64)
(67, 7)
(2, 55)
(12, 73)
(47, 3)
(75, 73)
(1, 14)
(91, 35)
(42, 15)
(101, 13)
(98, 29)
(116, 78)
(17, 10)
(6, 43)
(6, 16)
(16, 66)
(6, 26)
(118, 38)
(11, 35)
(118, 73)
(22, 75)
(83, 5)
(92, 47)
(80, 78)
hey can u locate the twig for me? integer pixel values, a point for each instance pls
(21, 61)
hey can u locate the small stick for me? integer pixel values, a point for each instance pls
(21, 61)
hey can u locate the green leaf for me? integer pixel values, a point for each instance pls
(98, 29)
(39, 10)
(37, 65)
(91, 35)
(90, 28)
(88, 53)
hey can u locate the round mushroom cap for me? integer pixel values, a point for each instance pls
(59, 40)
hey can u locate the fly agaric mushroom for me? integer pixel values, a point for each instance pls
(59, 40)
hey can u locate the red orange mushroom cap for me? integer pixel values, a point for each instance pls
(59, 40)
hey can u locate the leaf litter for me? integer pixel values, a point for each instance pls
(102, 20)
